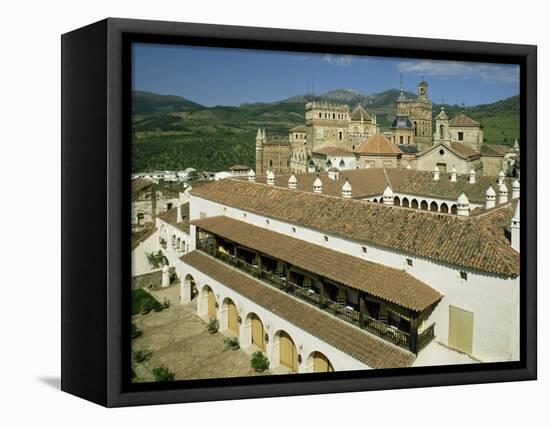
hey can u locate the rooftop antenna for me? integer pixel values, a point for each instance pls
(401, 81)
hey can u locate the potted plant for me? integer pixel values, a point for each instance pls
(259, 361)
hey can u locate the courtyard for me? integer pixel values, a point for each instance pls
(178, 340)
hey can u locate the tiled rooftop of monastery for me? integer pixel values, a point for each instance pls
(476, 242)
(389, 284)
(350, 339)
(171, 216)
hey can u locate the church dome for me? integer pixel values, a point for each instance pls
(401, 122)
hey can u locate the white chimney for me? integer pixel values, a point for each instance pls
(270, 177)
(463, 208)
(502, 194)
(490, 198)
(436, 173)
(501, 178)
(292, 182)
(472, 176)
(514, 230)
(453, 174)
(251, 174)
(387, 196)
(346, 189)
(515, 189)
(318, 186)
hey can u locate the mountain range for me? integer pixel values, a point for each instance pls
(172, 132)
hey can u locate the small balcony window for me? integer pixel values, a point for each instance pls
(464, 275)
(267, 221)
(326, 239)
(364, 249)
(409, 262)
(294, 229)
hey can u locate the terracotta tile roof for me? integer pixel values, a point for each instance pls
(462, 120)
(445, 238)
(333, 150)
(140, 184)
(171, 216)
(351, 340)
(463, 149)
(364, 182)
(377, 144)
(360, 113)
(389, 284)
(373, 181)
(139, 237)
(497, 150)
(298, 128)
(239, 167)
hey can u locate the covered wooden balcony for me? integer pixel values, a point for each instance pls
(381, 300)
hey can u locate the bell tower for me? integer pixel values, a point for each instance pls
(423, 91)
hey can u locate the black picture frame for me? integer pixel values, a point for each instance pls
(95, 208)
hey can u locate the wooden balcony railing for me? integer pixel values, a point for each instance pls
(308, 295)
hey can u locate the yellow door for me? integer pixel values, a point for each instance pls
(258, 337)
(211, 304)
(461, 329)
(232, 317)
(321, 364)
(287, 352)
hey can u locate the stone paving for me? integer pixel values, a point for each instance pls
(179, 341)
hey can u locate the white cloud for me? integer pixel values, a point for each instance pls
(339, 60)
(496, 72)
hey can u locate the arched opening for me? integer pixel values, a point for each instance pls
(140, 217)
(444, 208)
(190, 286)
(453, 209)
(441, 131)
(318, 362)
(231, 318)
(414, 204)
(375, 200)
(423, 205)
(178, 244)
(396, 201)
(208, 302)
(415, 128)
(255, 331)
(433, 206)
(405, 202)
(288, 354)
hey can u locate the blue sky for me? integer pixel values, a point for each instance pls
(218, 76)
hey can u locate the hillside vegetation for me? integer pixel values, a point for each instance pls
(173, 133)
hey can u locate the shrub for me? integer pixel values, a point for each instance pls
(151, 304)
(232, 343)
(155, 258)
(142, 355)
(259, 361)
(323, 302)
(163, 374)
(213, 325)
(135, 331)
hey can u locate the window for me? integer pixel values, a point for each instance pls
(270, 163)
(293, 229)
(364, 248)
(267, 221)
(409, 262)
(400, 139)
(441, 152)
(464, 275)
(340, 135)
(460, 136)
(225, 209)
(320, 115)
(244, 214)
(326, 239)
(333, 116)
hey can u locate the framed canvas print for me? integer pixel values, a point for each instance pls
(252, 212)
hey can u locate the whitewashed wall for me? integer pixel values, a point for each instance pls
(493, 299)
(305, 342)
(172, 252)
(140, 264)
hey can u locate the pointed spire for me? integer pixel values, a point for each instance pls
(387, 196)
(270, 177)
(251, 176)
(502, 194)
(501, 177)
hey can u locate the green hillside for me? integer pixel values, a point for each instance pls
(178, 133)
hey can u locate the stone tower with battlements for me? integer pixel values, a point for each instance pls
(420, 114)
(327, 124)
